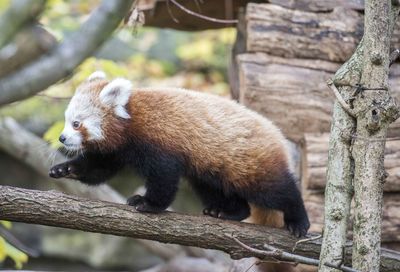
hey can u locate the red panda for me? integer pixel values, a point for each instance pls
(236, 160)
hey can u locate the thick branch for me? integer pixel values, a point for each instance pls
(68, 55)
(27, 45)
(19, 12)
(56, 209)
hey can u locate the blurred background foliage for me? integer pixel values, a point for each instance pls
(7, 250)
(147, 57)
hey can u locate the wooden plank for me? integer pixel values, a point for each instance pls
(293, 92)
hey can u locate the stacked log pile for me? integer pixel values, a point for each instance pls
(283, 56)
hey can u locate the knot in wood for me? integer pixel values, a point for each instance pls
(376, 58)
(336, 214)
(374, 120)
(363, 250)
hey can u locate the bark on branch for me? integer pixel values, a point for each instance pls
(19, 12)
(56, 209)
(68, 55)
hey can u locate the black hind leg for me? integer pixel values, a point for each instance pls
(285, 196)
(218, 205)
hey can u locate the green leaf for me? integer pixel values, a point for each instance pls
(53, 133)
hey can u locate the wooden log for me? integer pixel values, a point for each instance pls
(299, 34)
(315, 160)
(293, 92)
(292, 33)
(391, 216)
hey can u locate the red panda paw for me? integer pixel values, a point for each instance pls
(60, 170)
(298, 228)
(142, 205)
(218, 213)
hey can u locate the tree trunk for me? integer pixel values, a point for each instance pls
(375, 110)
(339, 189)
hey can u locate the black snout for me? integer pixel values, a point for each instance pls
(62, 138)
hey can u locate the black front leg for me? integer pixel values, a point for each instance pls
(161, 186)
(91, 169)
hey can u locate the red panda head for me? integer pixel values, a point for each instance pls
(96, 115)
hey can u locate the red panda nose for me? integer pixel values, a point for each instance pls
(62, 138)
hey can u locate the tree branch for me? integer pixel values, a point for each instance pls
(376, 110)
(19, 13)
(68, 55)
(27, 45)
(56, 209)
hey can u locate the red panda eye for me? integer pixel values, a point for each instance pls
(76, 124)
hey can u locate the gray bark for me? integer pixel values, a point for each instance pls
(339, 189)
(70, 53)
(14, 18)
(376, 110)
(56, 209)
(27, 45)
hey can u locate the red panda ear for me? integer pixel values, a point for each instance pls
(96, 75)
(116, 95)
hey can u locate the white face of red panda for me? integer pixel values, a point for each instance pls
(88, 108)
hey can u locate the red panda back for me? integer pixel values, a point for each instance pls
(215, 134)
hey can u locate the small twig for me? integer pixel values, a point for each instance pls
(54, 97)
(288, 257)
(211, 19)
(171, 14)
(253, 264)
(306, 240)
(394, 56)
(340, 99)
(355, 136)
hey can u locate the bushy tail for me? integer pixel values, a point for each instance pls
(266, 217)
(271, 218)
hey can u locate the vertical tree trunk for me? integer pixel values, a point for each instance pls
(375, 111)
(359, 160)
(339, 188)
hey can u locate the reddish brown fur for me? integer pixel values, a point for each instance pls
(170, 120)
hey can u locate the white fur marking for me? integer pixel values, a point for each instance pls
(97, 75)
(116, 95)
(81, 108)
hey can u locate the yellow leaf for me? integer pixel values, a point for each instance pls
(6, 224)
(53, 133)
(3, 254)
(16, 255)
